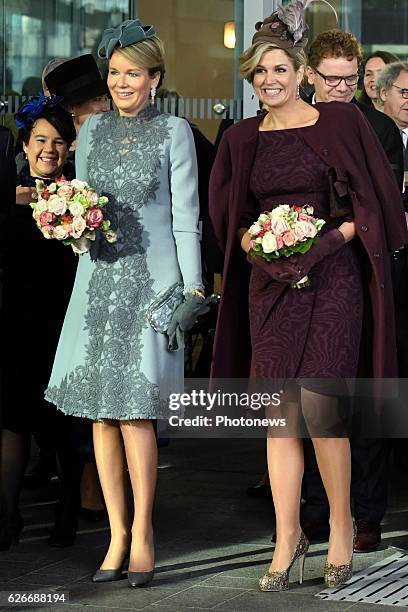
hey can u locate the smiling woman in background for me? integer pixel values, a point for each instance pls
(39, 276)
(373, 64)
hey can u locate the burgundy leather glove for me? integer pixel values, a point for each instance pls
(284, 270)
(294, 268)
(329, 243)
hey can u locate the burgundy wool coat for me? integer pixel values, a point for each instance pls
(343, 139)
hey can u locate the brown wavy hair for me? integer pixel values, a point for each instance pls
(334, 43)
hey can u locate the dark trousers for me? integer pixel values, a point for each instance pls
(70, 452)
(368, 481)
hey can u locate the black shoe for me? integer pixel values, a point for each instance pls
(139, 579)
(260, 491)
(94, 516)
(368, 537)
(62, 536)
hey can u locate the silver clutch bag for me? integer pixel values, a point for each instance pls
(160, 311)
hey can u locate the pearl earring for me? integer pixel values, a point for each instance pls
(153, 93)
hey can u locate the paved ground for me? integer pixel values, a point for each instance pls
(212, 542)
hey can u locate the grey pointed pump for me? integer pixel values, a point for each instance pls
(108, 575)
(139, 579)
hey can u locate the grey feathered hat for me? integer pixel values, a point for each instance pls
(286, 27)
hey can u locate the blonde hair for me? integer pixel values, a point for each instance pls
(147, 54)
(251, 58)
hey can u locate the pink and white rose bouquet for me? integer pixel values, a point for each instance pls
(284, 231)
(71, 212)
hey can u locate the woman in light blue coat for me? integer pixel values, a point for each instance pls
(111, 365)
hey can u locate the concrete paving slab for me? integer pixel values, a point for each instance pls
(213, 543)
(201, 597)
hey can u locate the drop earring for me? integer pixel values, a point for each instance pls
(152, 93)
(298, 91)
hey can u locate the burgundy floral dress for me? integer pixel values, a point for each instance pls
(312, 332)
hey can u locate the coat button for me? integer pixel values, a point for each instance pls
(382, 285)
(364, 228)
(325, 152)
(376, 255)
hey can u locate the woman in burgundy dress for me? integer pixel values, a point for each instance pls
(314, 333)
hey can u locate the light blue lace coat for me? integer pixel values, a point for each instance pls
(110, 364)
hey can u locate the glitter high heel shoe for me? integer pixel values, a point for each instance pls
(279, 580)
(336, 575)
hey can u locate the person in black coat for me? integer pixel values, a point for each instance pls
(39, 276)
(333, 69)
(7, 188)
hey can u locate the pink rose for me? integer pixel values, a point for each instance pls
(57, 205)
(60, 232)
(46, 218)
(78, 226)
(47, 231)
(309, 229)
(279, 226)
(94, 217)
(65, 191)
(279, 242)
(304, 229)
(299, 230)
(289, 238)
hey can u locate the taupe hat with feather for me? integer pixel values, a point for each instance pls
(286, 28)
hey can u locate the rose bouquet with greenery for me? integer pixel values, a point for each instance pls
(285, 231)
(71, 212)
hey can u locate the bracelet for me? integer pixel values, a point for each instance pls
(197, 293)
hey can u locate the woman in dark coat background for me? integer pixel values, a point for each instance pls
(284, 157)
(39, 276)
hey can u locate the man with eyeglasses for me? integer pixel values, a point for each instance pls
(333, 69)
(392, 91)
(334, 62)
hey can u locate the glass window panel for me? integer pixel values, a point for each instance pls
(198, 64)
(35, 31)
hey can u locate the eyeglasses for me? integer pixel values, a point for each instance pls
(403, 91)
(334, 81)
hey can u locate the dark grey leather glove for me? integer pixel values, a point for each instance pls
(184, 318)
